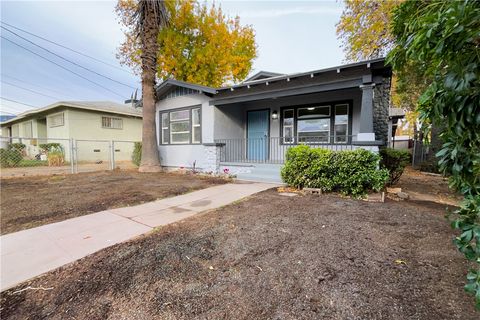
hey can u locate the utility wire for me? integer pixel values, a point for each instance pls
(33, 91)
(65, 59)
(2, 75)
(59, 65)
(25, 104)
(65, 47)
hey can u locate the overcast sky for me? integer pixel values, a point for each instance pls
(292, 36)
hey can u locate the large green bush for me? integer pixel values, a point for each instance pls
(350, 172)
(395, 162)
(137, 154)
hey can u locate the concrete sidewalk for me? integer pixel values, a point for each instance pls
(29, 253)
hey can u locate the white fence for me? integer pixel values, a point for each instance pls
(24, 156)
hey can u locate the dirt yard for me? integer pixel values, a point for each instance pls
(46, 170)
(268, 257)
(33, 201)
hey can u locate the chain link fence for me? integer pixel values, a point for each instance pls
(20, 156)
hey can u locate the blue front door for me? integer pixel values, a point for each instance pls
(257, 134)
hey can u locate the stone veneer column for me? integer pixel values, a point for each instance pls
(212, 157)
(381, 104)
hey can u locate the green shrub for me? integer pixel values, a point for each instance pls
(51, 147)
(10, 157)
(137, 154)
(395, 162)
(17, 146)
(349, 172)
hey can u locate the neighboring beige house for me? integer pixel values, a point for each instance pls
(79, 120)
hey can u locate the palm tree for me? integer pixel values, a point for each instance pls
(150, 16)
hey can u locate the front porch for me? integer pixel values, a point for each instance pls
(273, 150)
(261, 159)
(262, 131)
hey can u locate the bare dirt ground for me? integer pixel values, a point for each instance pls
(46, 170)
(32, 201)
(268, 257)
(428, 187)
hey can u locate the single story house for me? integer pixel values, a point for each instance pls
(246, 128)
(84, 121)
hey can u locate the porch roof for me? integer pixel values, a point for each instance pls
(334, 78)
(264, 85)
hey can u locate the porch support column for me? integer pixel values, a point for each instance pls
(366, 132)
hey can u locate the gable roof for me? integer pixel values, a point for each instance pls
(102, 106)
(168, 84)
(262, 75)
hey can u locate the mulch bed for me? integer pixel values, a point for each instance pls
(29, 202)
(268, 257)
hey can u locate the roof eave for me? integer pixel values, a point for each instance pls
(66, 105)
(368, 63)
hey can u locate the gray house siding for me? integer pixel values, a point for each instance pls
(185, 155)
(235, 116)
(364, 86)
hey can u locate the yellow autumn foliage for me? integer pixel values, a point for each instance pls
(200, 45)
(364, 28)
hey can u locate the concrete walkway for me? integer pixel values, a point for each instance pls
(29, 253)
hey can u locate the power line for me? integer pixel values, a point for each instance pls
(25, 104)
(65, 59)
(65, 47)
(58, 65)
(36, 85)
(33, 91)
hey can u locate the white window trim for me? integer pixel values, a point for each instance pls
(112, 119)
(341, 124)
(314, 116)
(190, 126)
(24, 134)
(50, 125)
(179, 121)
(292, 126)
(323, 116)
(195, 126)
(164, 141)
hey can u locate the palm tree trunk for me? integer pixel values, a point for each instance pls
(150, 158)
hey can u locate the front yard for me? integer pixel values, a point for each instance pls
(33, 201)
(270, 257)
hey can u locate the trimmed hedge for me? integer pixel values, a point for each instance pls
(395, 162)
(137, 154)
(349, 172)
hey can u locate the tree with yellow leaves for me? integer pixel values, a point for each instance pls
(364, 28)
(365, 31)
(200, 45)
